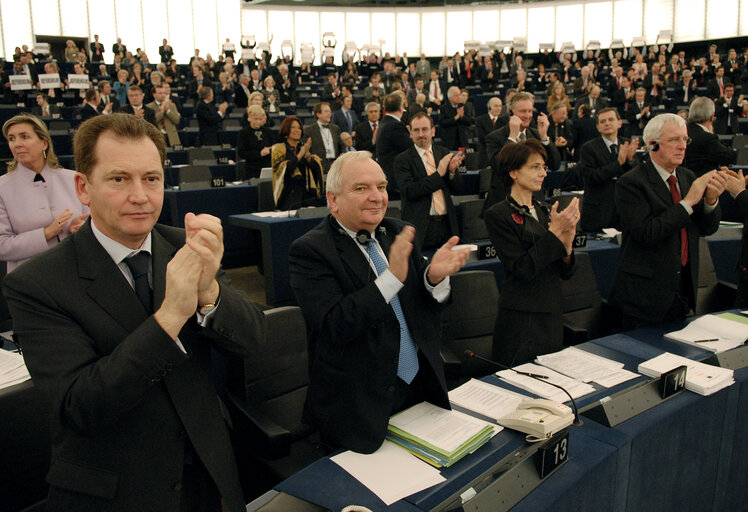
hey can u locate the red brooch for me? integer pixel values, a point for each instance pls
(519, 219)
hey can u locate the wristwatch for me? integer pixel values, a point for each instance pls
(207, 308)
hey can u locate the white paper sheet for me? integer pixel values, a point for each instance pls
(391, 472)
(587, 367)
(485, 399)
(575, 388)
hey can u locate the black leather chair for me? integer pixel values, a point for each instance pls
(468, 323)
(266, 397)
(472, 226)
(583, 310)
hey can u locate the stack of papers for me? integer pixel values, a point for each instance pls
(716, 333)
(576, 388)
(438, 436)
(485, 399)
(701, 378)
(12, 369)
(581, 365)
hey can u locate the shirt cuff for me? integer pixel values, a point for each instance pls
(687, 206)
(441, 291)
(710, 208)
(206, 320)
(388, 285)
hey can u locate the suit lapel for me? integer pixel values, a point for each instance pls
(163, 252)
(660, 188)
(108, 286)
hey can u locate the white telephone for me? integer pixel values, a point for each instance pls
(539, 417)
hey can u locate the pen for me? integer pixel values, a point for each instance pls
(705, 341)
(537, 376)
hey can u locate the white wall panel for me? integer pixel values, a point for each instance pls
(689, 20)
(101, 21)
(486, 25)
(658, 15)
(180, 30)
(205, 25)
(433, 27)
(154, 14)
(16, 19)
(46, 16)
(627, 20)
(513, 23)
(722, 19)
(384, 27)
(408, 34)
(569, 19)
(541, 27)
(598, 23)
(459, 30)
(73, 19)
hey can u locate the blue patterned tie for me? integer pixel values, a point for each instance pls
(407, 364)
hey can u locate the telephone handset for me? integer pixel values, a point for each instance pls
(539, 417)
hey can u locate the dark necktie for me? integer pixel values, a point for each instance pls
(138, 266)
(683, 234)
(39, 177)
(614, 149)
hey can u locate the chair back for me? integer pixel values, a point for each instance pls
(469, 321)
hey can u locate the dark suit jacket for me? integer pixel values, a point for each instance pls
(113, 100)
(600, 171)
(497, 138)
(209, 122)
(600, 104)
(494, 142)
(723, 111)
(649, 267)
(124, 399)
(741, 299)
(455, 134)
(484, 126)
(338, 118)
(712, 88)
(706, 152)
(53, 109)
(636, 126)
(149, 115)
(318, 145)
(354, 336)
(393, 138)
(532, 258)
(416, 187)
(362, 141)
(88, 111)
(566, 131)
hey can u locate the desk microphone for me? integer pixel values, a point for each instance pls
(469, 354)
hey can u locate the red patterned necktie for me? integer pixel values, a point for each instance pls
(683, 234)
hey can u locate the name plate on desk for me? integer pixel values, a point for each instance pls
(553, 453)
(486, 252)
(177, 147)
(218, 181)
(226, 146)
(223, 160)
(673, 382)
(580, 240)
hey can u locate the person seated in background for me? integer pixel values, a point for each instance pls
(90, 107)
(38, 206)
(255, 142)
(372, 306)
(224, 89)
(347, 141)
(535, 243)
(639, 112)
(136, 106)
(706, 151)
(365, 133)
(585, 128)
(561, 132)
(270, 95)
(297, 173)
(727, 111)
(43, 108)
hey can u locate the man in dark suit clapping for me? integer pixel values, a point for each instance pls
(427, 177)
(664, 210)
(603, 160)
(392, 138)
(117, 326)
(362, 284)
(705, 152)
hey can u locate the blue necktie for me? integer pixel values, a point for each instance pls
(407, 364)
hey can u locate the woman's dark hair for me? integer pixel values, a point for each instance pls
(285, 128)
(513, 156)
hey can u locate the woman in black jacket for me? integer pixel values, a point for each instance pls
(255, 142)
(534, 243)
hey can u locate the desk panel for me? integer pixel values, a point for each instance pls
(241, 247)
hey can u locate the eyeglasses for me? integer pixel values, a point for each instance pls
(677, 140)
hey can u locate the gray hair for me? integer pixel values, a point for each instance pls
(653, 130)
(701, 110)
(372, 104)
(334, 183)
(521, 96)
